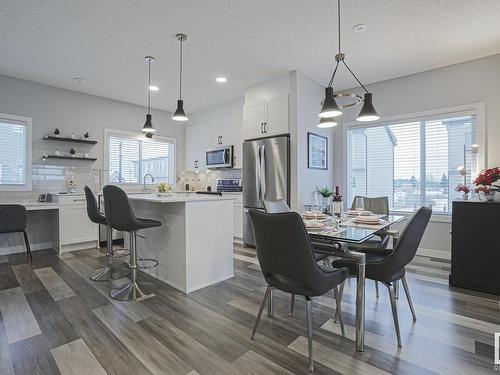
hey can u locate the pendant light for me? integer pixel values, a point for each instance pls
(330, 108)
(148, 128)
(326, 123)
(179, 114)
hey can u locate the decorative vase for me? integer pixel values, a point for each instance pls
(465, 196)
(325, 203)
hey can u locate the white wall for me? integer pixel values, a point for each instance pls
(461, 84)
(308, 95)
(74, 112)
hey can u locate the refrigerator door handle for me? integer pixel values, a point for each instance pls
(257, 173)
(263, 173)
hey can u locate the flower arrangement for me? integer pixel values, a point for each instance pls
(487, 178)
(163, 187)
(483, 189)
(462, 188)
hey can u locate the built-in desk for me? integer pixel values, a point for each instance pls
(62, 224)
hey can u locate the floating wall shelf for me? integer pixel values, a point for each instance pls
(73, 140)
(68, 157)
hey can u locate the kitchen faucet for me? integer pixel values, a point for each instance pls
(144, 180)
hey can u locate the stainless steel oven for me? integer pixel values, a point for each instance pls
(220, 157)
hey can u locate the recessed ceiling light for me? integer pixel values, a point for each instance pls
(221, 79)
(154, 88)
(78, 79)
(359, 28)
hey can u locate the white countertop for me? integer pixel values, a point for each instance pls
(177, 197)
(34, 205)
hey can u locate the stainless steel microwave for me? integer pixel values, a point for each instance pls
(220, 157)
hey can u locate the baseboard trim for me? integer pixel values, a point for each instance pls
(433, 253)
(22, 249)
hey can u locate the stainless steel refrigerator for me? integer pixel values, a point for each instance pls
(266, 176)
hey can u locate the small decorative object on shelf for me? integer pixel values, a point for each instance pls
(337, 202)
(86, 135)
(326, 194)
(72, 186)
(73, 136)
(163, 187)
(57, 132)
(464, 190)
(57, 152)
(72, 152)
(485, 183)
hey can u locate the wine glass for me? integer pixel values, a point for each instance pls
(359, 204)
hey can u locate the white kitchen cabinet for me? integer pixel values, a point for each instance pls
(237, 215)
(266, 118)
(75, 228)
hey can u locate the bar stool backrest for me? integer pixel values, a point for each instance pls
(118, 211)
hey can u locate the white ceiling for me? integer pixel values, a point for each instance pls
(105, 41)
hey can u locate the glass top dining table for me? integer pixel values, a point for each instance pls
(331, 231)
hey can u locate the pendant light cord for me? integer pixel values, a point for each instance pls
(180, 72)
(342, 58)
(149, 87)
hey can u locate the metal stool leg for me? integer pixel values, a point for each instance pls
(132, 290)
(109, 272)
(27, 244)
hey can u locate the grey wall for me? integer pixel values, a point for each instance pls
(461, 84)
(74, 112)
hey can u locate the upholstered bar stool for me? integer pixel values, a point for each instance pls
(108, 272)
(120, 216)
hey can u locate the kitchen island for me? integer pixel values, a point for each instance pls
(194, 245)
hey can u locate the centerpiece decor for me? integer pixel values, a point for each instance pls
(485, 183)
(163, 187)
(326, 194)
(464, 189)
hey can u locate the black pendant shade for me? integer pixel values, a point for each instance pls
(179, 114)
(148, 125)
(368, 112)
(330, 107)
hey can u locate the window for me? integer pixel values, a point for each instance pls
(15, 153)
(131, 156)
(414, 163)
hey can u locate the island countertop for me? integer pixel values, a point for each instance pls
(177, 197)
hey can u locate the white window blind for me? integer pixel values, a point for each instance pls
(14, 163)
(131, 157)
(413, 163)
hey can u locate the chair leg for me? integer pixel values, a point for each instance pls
(392, 295)
(376, 288)
(109, 272)
(292, 303)
(27, 244)
(396, 289)
(408, 297)
(339, 311)
(261, 309)
(341, 292)
(310, 333)
(270, 304)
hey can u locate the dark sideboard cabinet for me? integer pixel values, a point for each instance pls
(475, 246)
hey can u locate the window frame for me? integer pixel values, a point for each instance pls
(28, 186)
(477, 109)
(139, 136)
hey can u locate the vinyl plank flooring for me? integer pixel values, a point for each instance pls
(186, 347)
(27, 278)
(8, 278)
(152, 353)
(334, 359)
(252, 363)
(6, 367)
(75, 358)
(18, 319)
(32, 356)
(4, 259)
(54, 284)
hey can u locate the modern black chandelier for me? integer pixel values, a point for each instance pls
(179, 114)
(148, 128)
(329, 106)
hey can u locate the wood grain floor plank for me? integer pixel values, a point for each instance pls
(8, 278)
(27, 278)
(252, 363)
(152, 353)
(18, 319)
(187, 348)
(75, 358)
(54, 284)
(32, 356)
(6, 367)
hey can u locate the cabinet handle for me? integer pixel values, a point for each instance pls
(79, 200)
(262, 128)
(265, 127)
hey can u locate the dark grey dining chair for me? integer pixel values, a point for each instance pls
(391, 269)
(286, 258)
(13, 220)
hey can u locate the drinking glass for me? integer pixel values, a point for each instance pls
(359, 204)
